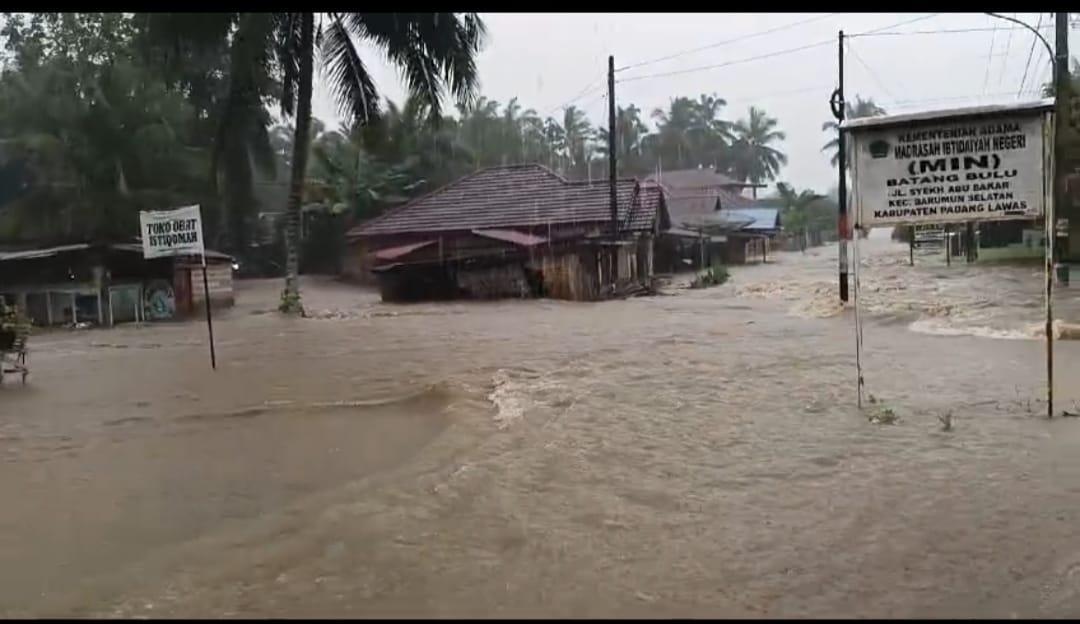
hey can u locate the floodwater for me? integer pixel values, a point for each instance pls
(690, 455)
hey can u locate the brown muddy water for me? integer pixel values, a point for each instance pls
(690, 455)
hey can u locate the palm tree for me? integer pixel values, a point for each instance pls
(710, 136)
(754, 157)
(577, 132)
(630, 132)
(435, 51)
(861, 108)
(795, 211)
(675, 126)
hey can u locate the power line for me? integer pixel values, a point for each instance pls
(726, 42)
(943, 31)
(873, 74)
(1005, 61)
(730, 63)
(986, 76)
(875, 31)
(1034, 40)
(768, 54)
(589, 89)
(602, 96)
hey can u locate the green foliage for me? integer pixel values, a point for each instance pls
(101, 134)
(11, 319)
(112, 113)
(290, 303)
(861, 108)
(804, 214)
(712, 276)
(754, 159)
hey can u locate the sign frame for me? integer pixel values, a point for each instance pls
(178, 232)
(975, 160)
(1044, 111)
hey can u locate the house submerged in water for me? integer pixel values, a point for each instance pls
(108, 284)
(713, 222)
(512, 231)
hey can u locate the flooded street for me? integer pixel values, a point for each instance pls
(690, 455)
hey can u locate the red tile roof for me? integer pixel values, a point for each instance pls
(517, 196)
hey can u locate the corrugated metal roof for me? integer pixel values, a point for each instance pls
(137, 248)
(510, 236)
(760, 218)
(689, 208)
(48, 252)
(684, 233)
(393, 253)
(517, 196)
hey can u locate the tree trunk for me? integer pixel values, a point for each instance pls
(290, 297)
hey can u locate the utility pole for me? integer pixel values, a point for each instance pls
(611, 169)
(839, 107)
(1063, 92)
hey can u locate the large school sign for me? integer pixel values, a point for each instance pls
(975, 164)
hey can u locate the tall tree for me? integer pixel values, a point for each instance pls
(796, 209)
(630, 134)
(861, 108)
(673, 143)
(229, 82)
(435, 51)
(101, 135)
(754, 157)
(577, 135)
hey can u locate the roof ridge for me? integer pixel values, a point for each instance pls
(468, 176)
(605, 181)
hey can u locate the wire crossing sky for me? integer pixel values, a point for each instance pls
(782, 62)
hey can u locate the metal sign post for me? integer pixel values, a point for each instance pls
(1049, 197)
(209, 318)
(178, 232)
(987, 163)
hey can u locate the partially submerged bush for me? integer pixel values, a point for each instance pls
(11, 320)
(713, 276)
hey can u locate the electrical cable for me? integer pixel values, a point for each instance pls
(726, 42)
(1034, 40)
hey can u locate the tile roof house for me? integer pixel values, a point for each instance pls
(693, 194)
(705, 199)
(508, 218)
(523, 197)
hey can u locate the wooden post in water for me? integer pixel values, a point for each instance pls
(612, 172)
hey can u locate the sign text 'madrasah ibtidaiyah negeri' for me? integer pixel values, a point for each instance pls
(958, 141)
(174, 232)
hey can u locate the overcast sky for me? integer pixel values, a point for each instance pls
(548, 59)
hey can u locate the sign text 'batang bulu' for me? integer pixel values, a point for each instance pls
(171, 232)
(950, 170)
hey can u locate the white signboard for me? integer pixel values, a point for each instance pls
(171, 232)
(950, 170)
